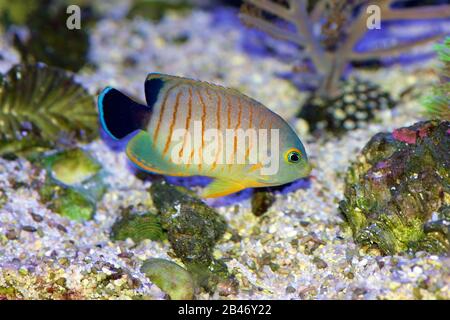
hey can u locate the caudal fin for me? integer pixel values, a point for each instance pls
(120, 115)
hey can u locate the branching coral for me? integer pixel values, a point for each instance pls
(349, 20)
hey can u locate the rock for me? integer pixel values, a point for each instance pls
(29, 228)
(12, 234)
(262, 200)
(71, 204)
(72, 167)
(441, 224)
(36, 217)
(3, 198)
(73, 185)
(396, 184)
(214, 277)
(320, 263)
(170, 278)
(193, 228)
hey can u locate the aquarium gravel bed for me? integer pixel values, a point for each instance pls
(300, 249)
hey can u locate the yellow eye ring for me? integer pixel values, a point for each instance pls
(293, 155)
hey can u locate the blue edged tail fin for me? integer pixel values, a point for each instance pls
(120, 115)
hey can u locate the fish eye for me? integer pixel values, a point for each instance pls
(293, 156)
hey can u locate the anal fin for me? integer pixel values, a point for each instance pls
(220, 188)
(141, 152)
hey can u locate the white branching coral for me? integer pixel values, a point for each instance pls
(308, 24)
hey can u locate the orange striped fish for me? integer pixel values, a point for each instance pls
(191, 128)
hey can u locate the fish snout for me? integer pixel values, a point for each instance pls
(305, 170)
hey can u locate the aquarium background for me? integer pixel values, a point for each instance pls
(79, 221)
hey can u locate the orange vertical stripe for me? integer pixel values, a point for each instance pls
(172, 124)
(250, 142)
(188, 122)
(203, 128)
(219, 146)
(208, 93)
(261, 121)
(161, 114)
(237, 127)
(228, 112)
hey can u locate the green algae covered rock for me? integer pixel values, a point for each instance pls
(73, 184)
(398, 190)
(170, 278)
(138, 227)
(71, 204)
(72, 167)
(193, 227)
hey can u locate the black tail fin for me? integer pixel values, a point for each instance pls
(119, 115)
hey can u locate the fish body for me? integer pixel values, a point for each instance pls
(191, 128)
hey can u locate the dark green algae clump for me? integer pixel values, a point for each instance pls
(397, 192)
(193, 229)
(138, 227)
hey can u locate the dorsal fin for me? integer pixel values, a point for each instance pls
(154, 80)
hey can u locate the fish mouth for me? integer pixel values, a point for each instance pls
(306, 170)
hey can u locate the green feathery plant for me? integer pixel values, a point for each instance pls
(437, 105)
(41, 108)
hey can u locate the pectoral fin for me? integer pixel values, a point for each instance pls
(141, 152)
(220, 188)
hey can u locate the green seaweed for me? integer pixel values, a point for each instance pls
(395, 186)
(43, 107)
(437, 104)
(170, 278)
(138, 227)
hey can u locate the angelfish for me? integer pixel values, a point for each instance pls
(194, 128)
